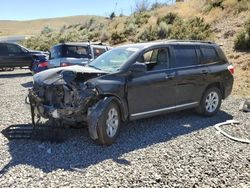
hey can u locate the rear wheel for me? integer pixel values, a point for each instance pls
(109, 124)
(211, 102)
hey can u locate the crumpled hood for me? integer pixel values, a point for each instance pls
(63, 74)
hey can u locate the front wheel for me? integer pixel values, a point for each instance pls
(211, 102)
(109, 124)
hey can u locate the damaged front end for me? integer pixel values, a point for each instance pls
(64, 93)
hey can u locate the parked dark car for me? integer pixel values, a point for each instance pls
(66, 54)
(40, 63)
(14, 55)
(133, 82)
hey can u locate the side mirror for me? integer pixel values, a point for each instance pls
(138, 67)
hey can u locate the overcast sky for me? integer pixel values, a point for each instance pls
(35, 9)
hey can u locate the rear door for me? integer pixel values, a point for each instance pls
(217, 64)
(152, 92)
(191, 76)
(18, 57)
(4, 56)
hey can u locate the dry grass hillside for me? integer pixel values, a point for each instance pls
(33, 27)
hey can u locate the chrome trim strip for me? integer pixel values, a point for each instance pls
(163, 109)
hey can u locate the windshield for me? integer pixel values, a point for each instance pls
(111, 61)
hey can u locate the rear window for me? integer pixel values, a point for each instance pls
(209, 55)
(98, 51)
(70, 51)
(185, 56)
(77, 51)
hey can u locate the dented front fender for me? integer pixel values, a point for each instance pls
(94, 114)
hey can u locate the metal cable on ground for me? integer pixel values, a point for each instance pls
(217, 127)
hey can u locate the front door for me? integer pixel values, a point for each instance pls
(153, 91)
(18, 57)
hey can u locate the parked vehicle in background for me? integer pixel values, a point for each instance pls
(133, 82)
(66, 54)
(14, 55)
(39, 64)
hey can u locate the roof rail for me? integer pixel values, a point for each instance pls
(200, 41)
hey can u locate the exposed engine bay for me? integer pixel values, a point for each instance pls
(64, 94)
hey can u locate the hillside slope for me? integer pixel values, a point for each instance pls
(33, 27)
(225, 31)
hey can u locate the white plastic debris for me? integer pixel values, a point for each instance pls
(230, 122)
(49, 151)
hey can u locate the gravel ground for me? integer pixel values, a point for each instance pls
(175, 150)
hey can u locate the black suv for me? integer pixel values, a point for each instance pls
(132, 82)
(14, 55)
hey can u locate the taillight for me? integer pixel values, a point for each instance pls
(44, 64)
(64, 64)
(231, 69)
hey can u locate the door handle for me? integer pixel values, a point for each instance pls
(170, 76)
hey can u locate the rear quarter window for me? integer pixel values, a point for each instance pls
(209, 55)
(56, 52)
(222, 55)
(185, 56)
(98, 51)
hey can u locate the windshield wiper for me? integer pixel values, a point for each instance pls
(94, 67)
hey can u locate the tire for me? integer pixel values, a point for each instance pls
(109, 124)
(210, 102)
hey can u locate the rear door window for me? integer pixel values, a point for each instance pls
(185, 56)
(209, 55)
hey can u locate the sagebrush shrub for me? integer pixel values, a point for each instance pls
(192, 29)
(149, 34)
(168, 19)
(164, 30)
(242, 41)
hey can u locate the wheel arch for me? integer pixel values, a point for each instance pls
(123, 108)
(217, 85)
(96, 110)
